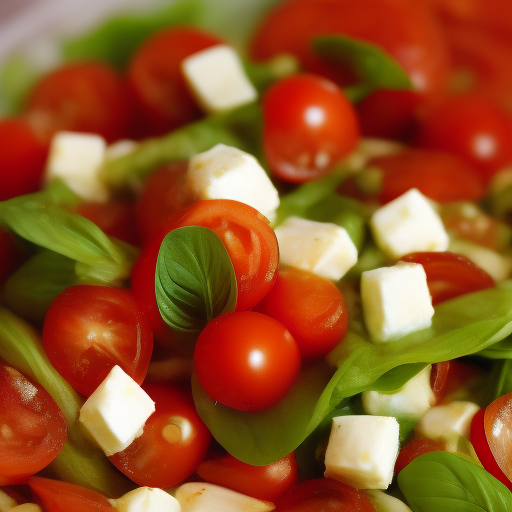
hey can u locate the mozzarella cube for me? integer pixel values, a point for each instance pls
(320, 247)
(385, 503)
(412, 400)
(407, 224)
(217, 78)
(362, 451)
(77, 158)
(6, 502)
(27, 507)
(116, 412)
(396, 301)
(147, 499)
(224, 172)
(205, 497)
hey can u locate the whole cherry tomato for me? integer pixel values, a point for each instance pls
(414, 448)
(246, 360)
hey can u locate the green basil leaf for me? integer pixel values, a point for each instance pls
(195, 280)
(500, 350)
(500, 379)
(441, 481)
(395, 378)
(374, 68)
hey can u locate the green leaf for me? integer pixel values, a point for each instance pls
(374, 68)
(500, 350)
(441, 481)
(500, 379)
(195, 280)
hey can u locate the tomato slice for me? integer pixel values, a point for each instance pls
(414, 448)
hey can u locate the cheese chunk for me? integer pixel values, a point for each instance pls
(320, 247)
(116, 412)
(385, 503)
(147, 499)
(26, 507)
(205, 497)
(362, 451)
(412, 400)
(6, 502)
(217, 79)
(77, 158)
(224, 172)
(407, 224)
(396, 301)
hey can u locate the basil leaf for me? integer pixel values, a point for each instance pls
(195, 280)
(443, 481)
(374, 68)
(500, 350)
(500, 380)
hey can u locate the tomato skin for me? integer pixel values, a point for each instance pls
(246, 360)
(414, 448)
(450, 275)
(35, 425)
(309, 126)
(159, 86)
(448, 376)
(90, 329)
(267, 483)
(173, 443)
(310, 307)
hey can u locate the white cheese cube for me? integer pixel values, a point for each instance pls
(412, 400)
(26, 507)
(77, 158)
(116, 412)
(147, 499)
(362, 451)
(407, 224)
(205, 497)
(320, 247)
(224, 172)
(385, 503)
(396, 301)
(217, 78)
(6, 502)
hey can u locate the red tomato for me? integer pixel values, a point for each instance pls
(90, 329)
(82, 97)
(311, 307)
(448, 376)
(246, 360)
(22, 158)
(173, 443)
(155, 75)
(267, 483)
(58, 496)
(33, 429)
(324, 495)
(414, 448)
(450, 275)
(309, 126)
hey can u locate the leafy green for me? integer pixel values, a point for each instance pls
(500, 379)
(443, 481)
(500, 350)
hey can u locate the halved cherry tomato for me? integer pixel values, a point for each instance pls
(309, 126)
(173, 443)
(448, 376)
(414, 448)
(311, 307)
(268, 483)
(32, 427)
(246, 360)
(90, 329)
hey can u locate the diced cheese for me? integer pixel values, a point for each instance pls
(396, 301)
(6, 502)
(412, 400)
(116, 411)
(205, 497)
(320, 247)
(362, 451)
(385, 503)
(120, 148)
(77, 158)
(26, 507)
(224, 172)
(217, 78)
(147, 499)
(407, 224)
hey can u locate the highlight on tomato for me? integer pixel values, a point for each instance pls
(33, 429)
(90, 329)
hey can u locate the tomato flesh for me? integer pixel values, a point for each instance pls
(414, 448)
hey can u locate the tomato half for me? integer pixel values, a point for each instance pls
(414, 448)
(90, 329)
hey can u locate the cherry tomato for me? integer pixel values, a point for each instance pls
(310, 307)
(32, 430)
(325, 495)
(448, 376)
(246, 360)
(22, 158)
(414, 448)
(82, 97)
(58, 496)
(155, 75)
(173, 443)
(90, 329)
(450, 275)
(268, 483)
(309, 126)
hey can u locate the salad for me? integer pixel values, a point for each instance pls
(265, 266)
